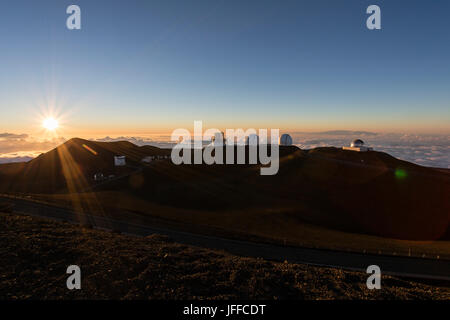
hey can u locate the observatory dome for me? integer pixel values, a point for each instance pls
(285, 140)
(357, 143)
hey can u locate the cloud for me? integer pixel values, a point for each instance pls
(22, 147)
(12, 136)
(426, 150)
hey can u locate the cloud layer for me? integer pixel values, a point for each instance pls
(22, 147)
(426, 150)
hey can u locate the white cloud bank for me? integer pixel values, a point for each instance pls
(426, 150)
(22, 147)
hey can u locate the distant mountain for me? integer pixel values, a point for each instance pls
(15, 159)
(347, 133)
(368, 192)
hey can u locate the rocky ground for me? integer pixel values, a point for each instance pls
(35, 254)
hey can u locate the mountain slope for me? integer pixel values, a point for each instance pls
(372, 192)
(369, 192)
(71, 166)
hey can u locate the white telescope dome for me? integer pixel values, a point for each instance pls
(357, 143)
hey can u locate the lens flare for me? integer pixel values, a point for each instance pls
(400, 174)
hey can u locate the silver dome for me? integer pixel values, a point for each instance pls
(357, 143)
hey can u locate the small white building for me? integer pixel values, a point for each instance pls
(358, 145)
(99, 176)
(148, 159)
(120, 161)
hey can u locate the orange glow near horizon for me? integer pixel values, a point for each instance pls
(53, 123)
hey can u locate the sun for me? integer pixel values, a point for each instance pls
(50, 124)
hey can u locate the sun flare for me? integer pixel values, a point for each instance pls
(50, 124)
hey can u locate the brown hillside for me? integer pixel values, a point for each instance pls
(370, 192)
(71, 166)
(35, 254)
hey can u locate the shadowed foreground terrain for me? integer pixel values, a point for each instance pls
(35, 253)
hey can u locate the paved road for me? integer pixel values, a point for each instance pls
(400, 266)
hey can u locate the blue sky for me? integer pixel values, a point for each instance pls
(151, 66)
